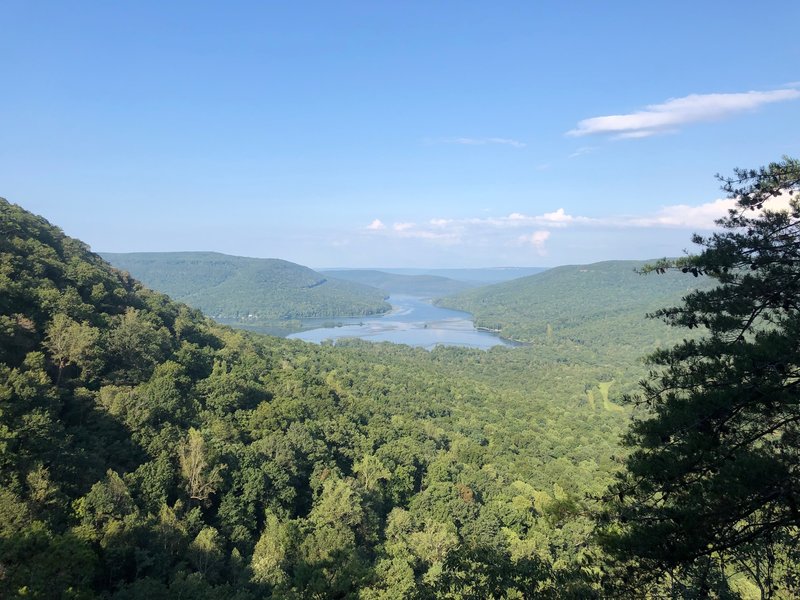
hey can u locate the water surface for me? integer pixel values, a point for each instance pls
(413, 321)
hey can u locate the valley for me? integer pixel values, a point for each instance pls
(413, 321)
(154, 451)
(399, 301)
(325, 467)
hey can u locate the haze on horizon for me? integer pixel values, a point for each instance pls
(371, 135)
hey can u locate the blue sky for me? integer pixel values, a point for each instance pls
(369, 134)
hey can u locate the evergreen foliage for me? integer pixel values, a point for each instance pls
(710, 494)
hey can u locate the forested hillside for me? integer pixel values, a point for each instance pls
(598, 308)
(147, 452)
(249, 290)
(429, 286)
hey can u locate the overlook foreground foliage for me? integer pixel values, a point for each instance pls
(711, 489)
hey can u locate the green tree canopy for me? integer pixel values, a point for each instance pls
(712, 485)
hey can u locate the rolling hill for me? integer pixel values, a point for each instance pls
(249, 290)
(600, 306)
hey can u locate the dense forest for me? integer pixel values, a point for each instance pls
(580, 302)
(148, 452)
(249, 290)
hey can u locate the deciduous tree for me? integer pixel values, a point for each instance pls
(70, 342)
(202, 479)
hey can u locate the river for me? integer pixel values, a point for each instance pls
(412, 320)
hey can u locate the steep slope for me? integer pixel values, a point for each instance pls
(428, 286)
(249, 290)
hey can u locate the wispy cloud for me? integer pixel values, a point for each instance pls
(403, 226)
(686, 216)
(556, 218)
(551, 236)
(513, 229)
(533, 230)
(669, 116)
(439, 233)
(701, 216)
(376, 225)
(582, 150)
(469, 141)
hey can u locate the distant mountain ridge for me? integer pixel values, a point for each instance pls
(249, 289)
(474, 276)
(429, 286)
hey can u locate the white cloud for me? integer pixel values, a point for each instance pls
(782, 202)
(376, 225)
(686, 216)
(483, 230)
(518, 228)
(437, 230)
(557, 218)
(402, 226)
(670, 115)
(702, 216)
(582, 150)
(468, 141)
(536, 239)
